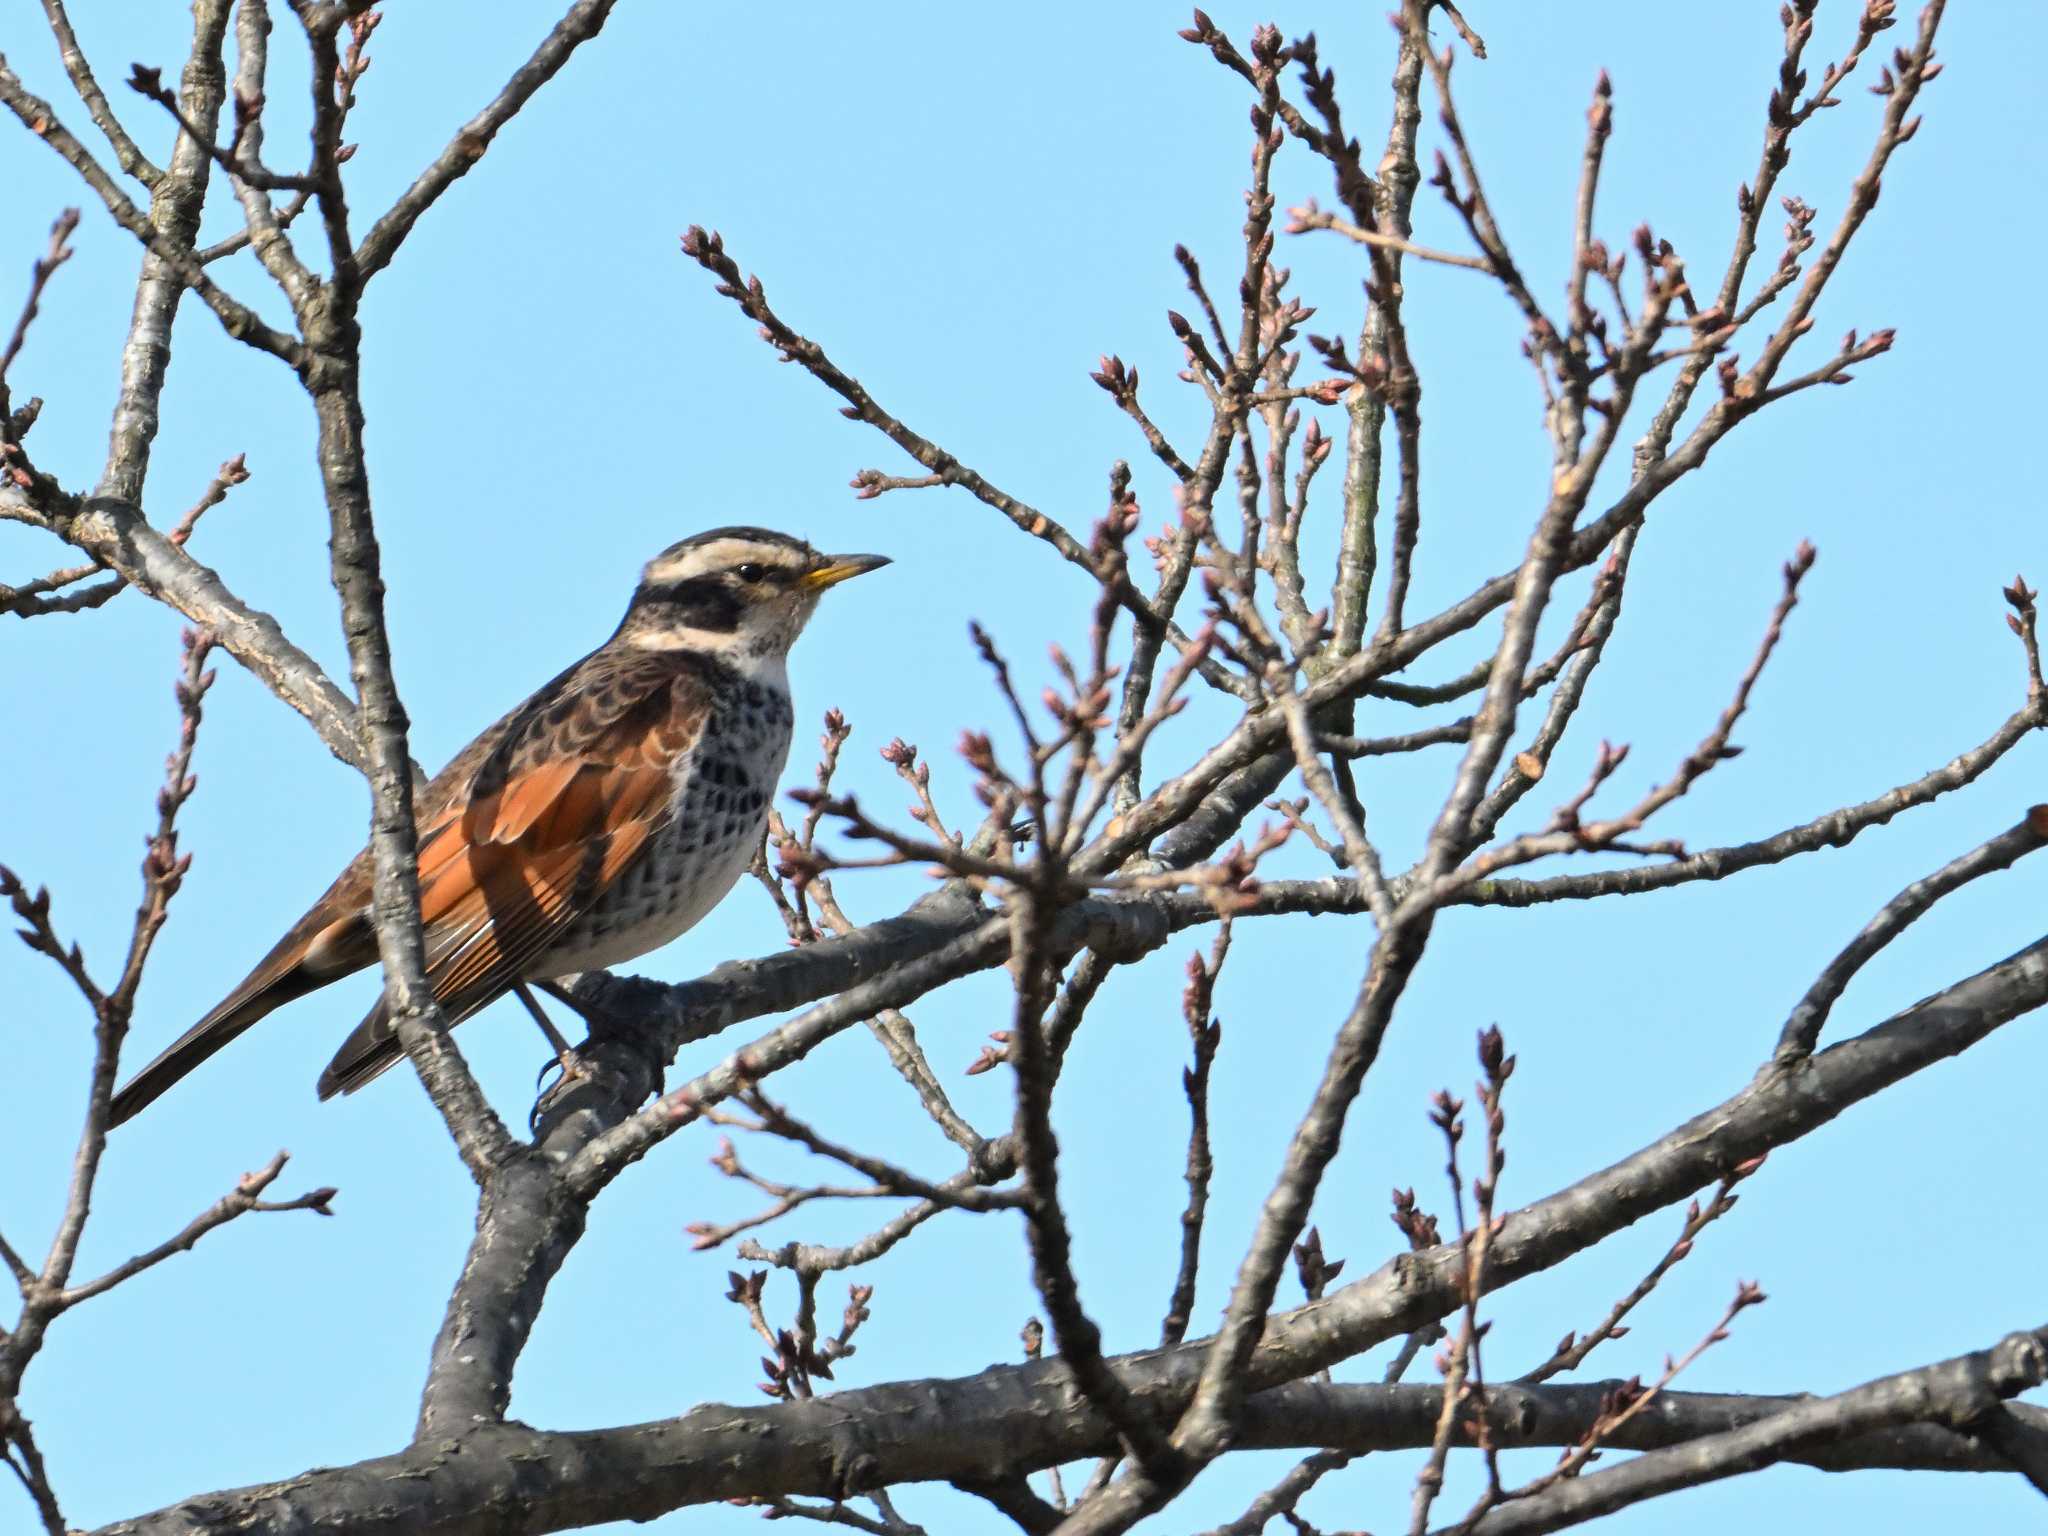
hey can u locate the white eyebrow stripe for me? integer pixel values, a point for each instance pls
(720, 554)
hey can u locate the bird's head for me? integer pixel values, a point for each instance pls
(743, 594)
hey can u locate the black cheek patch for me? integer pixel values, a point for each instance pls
(703, 603)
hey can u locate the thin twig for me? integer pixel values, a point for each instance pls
(126, 154)
(1801, 1033)
(245, 1197)
(581, 22)
(1309, 217)
(1206, 1033)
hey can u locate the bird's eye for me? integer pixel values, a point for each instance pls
(750, 571)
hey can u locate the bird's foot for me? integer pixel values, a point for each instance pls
(564, 1061)
(568, 1068)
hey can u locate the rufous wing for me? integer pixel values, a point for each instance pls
(518, 835)
(505, 873)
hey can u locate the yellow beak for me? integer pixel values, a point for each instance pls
(838, 568)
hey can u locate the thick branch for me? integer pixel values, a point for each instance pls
(114, 532)
(977, 1431)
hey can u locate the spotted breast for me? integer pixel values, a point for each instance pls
(722, 787)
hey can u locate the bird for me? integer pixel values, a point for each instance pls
(597, 821)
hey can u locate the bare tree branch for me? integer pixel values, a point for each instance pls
(131, 159)
(1093, 849)
(961, 1431)
(1953, 1393)
(581, 22)
(1802, 1030)
(245, 1197)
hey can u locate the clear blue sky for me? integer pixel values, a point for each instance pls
(967, 204)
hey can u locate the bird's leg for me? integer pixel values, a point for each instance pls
(559, 988)
(612, 1015)
(565, 1056)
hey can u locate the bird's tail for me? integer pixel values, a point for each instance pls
(371, 1047)
(247, 1004)
(316, 951)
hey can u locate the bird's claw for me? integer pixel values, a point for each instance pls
(566, 1062)
(571, 1069)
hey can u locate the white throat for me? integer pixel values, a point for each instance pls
(767, 665)
(770, 669)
